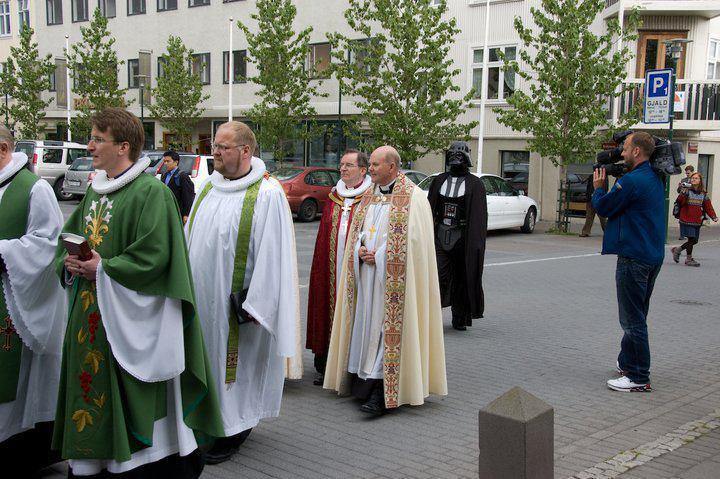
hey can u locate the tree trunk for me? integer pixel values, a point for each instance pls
(561, 221)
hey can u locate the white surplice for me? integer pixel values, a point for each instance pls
(366, 345)
(37, 305)
(272, 299)
(349, 195)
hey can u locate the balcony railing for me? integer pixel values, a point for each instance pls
(610, 3)
(701, 103)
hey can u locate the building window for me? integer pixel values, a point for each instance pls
(54, 12)
(198, 3)
(23, 13)
(705, 167)
(5, 18)
(201, 67)
(501, 83)
(162, 61)
(79, 10)
(165, 5)
(133, 72)
(136, 7)
(107, 8)
(53, 84)
(515, 166)
(239, 66)
(713, 64)
(318, 60)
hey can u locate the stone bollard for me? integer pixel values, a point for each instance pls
(516, 437)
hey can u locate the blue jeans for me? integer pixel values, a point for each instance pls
(635, 281)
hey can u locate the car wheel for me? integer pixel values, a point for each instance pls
(59, 193)
(308, 210)
(530, 218)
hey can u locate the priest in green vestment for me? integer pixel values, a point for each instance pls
(136, 392)
(32, 314)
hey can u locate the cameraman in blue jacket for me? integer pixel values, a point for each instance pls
(635, 232)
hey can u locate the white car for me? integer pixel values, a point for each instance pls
(507, 207)
(198, 168)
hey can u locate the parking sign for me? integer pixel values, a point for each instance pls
(658, 96)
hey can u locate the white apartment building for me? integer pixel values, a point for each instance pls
(13, 15)
(141, 28)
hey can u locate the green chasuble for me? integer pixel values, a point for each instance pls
(14, 209)
(103, 412)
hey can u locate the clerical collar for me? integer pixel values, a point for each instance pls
(387, 189)
(346, 192)
(103, 185)
(257, 171)
(122, 173)
(18, 162)
(239, 177)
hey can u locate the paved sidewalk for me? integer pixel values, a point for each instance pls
(550, 327)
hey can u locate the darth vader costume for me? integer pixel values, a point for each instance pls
(459, 207)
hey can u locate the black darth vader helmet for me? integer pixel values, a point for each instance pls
(457, 157)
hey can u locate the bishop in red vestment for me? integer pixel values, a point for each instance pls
(329, 251)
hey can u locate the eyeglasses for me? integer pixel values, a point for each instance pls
(347, 165)
(99, 140)
(223, 148)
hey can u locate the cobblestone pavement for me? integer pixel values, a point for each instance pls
(551, 327)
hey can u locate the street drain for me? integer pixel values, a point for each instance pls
(687, 302)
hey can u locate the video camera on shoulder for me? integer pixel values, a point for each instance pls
(667, 159)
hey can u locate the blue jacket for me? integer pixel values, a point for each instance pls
(636, 217)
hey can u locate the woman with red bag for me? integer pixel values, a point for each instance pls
(694, 207)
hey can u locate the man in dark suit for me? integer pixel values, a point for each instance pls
(179, 183)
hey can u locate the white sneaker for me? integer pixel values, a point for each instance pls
(624, 384)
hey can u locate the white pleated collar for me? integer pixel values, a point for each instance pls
(346, 192)
(257, 170)
(17, 163)
(103, 185)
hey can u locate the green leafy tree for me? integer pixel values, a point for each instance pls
(94, 65)
(7, 91)
(285, 83)
(178, 95)
(402, 75)
(571, 73)
(25, 76)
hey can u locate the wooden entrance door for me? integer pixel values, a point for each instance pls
(652, 53)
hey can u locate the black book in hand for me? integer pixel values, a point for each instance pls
(236, 301)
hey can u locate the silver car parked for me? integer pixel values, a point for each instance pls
(79, 176)
(50, 159)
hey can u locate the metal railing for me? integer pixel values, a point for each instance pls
(610, 3)
(701, 102)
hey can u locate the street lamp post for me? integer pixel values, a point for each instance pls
(675, 48)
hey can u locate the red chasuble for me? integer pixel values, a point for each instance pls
(321, 297)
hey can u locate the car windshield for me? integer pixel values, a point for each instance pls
(287, 173)
(25, 147)
(82, 164)
(425, 183)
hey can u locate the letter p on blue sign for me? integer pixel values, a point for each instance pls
(659, 83)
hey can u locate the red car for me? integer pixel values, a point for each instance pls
(307, 188)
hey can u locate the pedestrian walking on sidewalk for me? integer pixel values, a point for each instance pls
(694, 206)
(635, 232)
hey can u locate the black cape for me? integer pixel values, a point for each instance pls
(475, 235)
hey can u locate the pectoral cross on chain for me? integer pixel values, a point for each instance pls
(8, 331)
